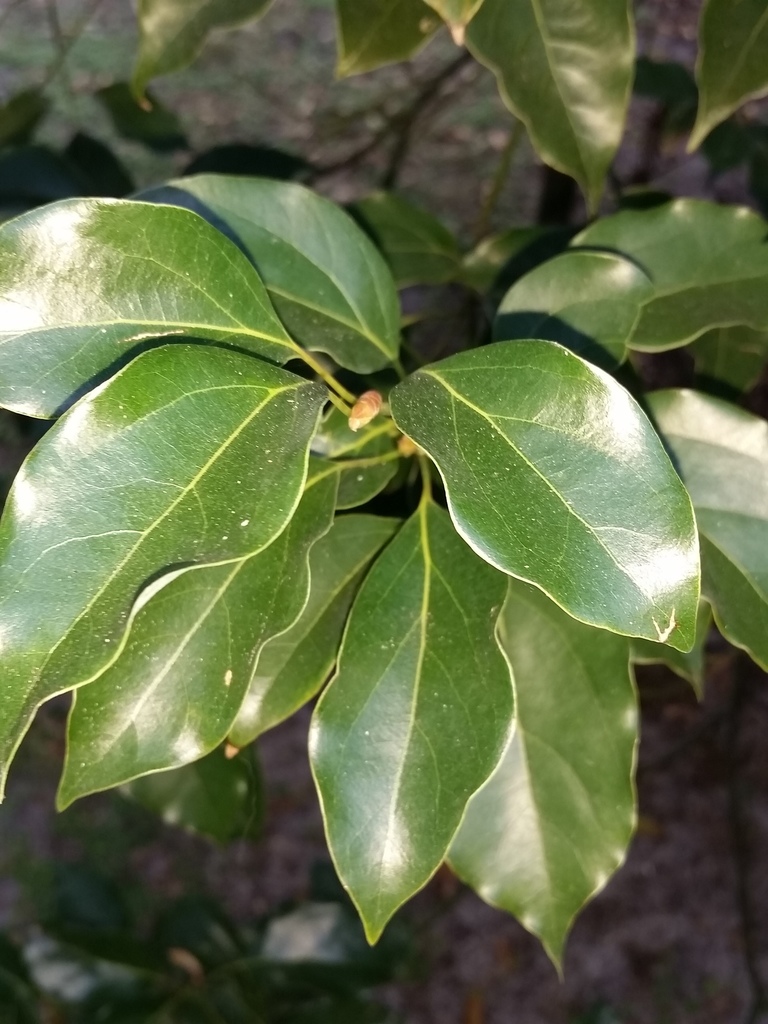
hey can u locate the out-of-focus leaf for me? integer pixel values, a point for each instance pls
(731, 357)
(722, 455)
(586, 301)
(565, 68)
(732, 62)
(20, 116)
(251, 161)
(218, 797)
(105, 174)
(34, 174)
(416, 717)
(172, 32)
(672, 86)
(150, 123)
(554, 475)
(376, 32)
(292, 667)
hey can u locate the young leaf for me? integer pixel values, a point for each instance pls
(416, 717)
(587, 301)
(553, 822)
(732, 357)
(327, 280)
(565, 69)
(554, 475)
(418, 248)
(722, 454)
(376, 32)
(708, 264)
(691, 665)
(191, 454)
(293, 666)
(731, 66)
(177, 680)
(359, 481)
(172, 32)
(218, 797)
(82, 279)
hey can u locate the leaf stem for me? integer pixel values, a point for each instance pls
(498, 182)
(329, 379)
(426, 479)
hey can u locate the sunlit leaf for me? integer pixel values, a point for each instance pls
(191, 454)
(554, 475)
(565, 68)
(376, 32)
(416, 717)
(292, 667)
(553, 822)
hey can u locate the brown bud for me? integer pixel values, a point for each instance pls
(230, 751)
(366, 408)
(406, 446)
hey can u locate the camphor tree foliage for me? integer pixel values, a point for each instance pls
(196, 547)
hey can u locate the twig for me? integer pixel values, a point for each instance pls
(65, 41)
(498, 182)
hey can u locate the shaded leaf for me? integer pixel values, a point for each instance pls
(96, 162)
(20, 115)
(172, 32)
(586, 301)
(81, 279)
(376, 32)
(293, 666)
(722, 454)
(328, 282)
(418, 248)
(35, 174)
(708, 264)
(217, 797)
(553, 822)
(732, 62)
(416, 716)
(358, 482)
(188, 656)
(565, 69)
(554, 475)
(691, 665)
(150, 123)
(247, 160)
(731, 357)
(209, 445)
(672, 86)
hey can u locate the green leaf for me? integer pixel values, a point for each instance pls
(691, 665)
(361, 476)
(554, 475)
(218, 797)
(20, 115)
(416, 717)
(418, 248)
(293, 666)
(732, 357)
(191, 454)
(172, 32)
(457, 13)
(81, 279)
(328, 282)
(376, 32)
(587, 301)
(565, 69)
(178, 678)
(722, 454)
(708, 264)
(150, 123)
(553, 822)
(671, 85)
(732, 63)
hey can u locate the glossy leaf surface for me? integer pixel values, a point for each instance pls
(722, 454)
(708, 264)
(328, 282)
(732, 63)
(565, 69)
(172, 32)
(218, 797)
(416, 717)
(690, 665)
(83, 279)
(586, 301)
(190, 454)
(732, 357)
(418, 248)
(554, 475)
(355, 456)
(375, 32)
(554, 820)
(188, 658)
(293, 666)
